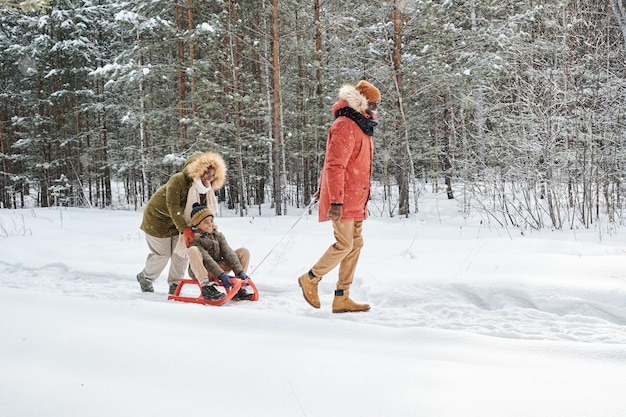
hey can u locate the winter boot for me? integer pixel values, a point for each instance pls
(209, 292)
(243, 294)
(308, 282)
(343, 304)
(172, 288)
(144, 282)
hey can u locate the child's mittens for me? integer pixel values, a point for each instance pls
(225, 280)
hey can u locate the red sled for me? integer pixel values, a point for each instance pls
(230, 292)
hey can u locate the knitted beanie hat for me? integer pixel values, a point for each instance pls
(371, 93)
(199, 213)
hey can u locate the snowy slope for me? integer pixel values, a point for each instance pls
(466, 320)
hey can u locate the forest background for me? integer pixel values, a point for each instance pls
(514, 107)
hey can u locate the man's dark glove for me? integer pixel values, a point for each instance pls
(243, 275)
(335, 211)
(225, 280)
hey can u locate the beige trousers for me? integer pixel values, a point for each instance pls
(162, 251)
(344, 252)
(199, 272)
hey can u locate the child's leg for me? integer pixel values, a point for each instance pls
(196, 265)
(244, 259)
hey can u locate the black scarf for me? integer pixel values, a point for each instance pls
(367, 125)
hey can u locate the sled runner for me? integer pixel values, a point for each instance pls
(230, 292)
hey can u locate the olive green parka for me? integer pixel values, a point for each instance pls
(163, 216)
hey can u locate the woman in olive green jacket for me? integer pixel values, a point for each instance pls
(168, 214)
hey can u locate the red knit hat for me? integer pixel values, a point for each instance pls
(370, 92)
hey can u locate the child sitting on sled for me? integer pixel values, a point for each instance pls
(211, 258)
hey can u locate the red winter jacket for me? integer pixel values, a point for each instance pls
(345, 177)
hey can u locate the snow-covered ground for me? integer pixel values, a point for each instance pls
(466, 320)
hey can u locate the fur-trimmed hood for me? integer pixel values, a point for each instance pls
(350, 96)
(199, 162)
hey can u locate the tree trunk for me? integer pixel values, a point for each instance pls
(446, 164)
(406, 172)
(311, 171)
(619, 11)
(192, 56)
(182, 87)
(235, 53)
(276, 112)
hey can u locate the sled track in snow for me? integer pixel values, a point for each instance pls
(535, 314)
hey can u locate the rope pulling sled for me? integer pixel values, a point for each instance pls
(238, 283)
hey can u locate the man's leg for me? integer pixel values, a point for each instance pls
(349, 262)
(336, 253)
(342, 302)
(330, 259)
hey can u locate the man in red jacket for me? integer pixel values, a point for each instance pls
(344, 191)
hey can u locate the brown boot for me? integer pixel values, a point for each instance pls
(343, 304)
(309, 289)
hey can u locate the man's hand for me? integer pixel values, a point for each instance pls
(335, 211)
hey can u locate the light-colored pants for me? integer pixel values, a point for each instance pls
(344, 252)
(199, 272)
(162, 251)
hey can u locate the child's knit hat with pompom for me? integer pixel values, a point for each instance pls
(199, 213)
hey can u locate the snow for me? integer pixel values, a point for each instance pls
(467, 320)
